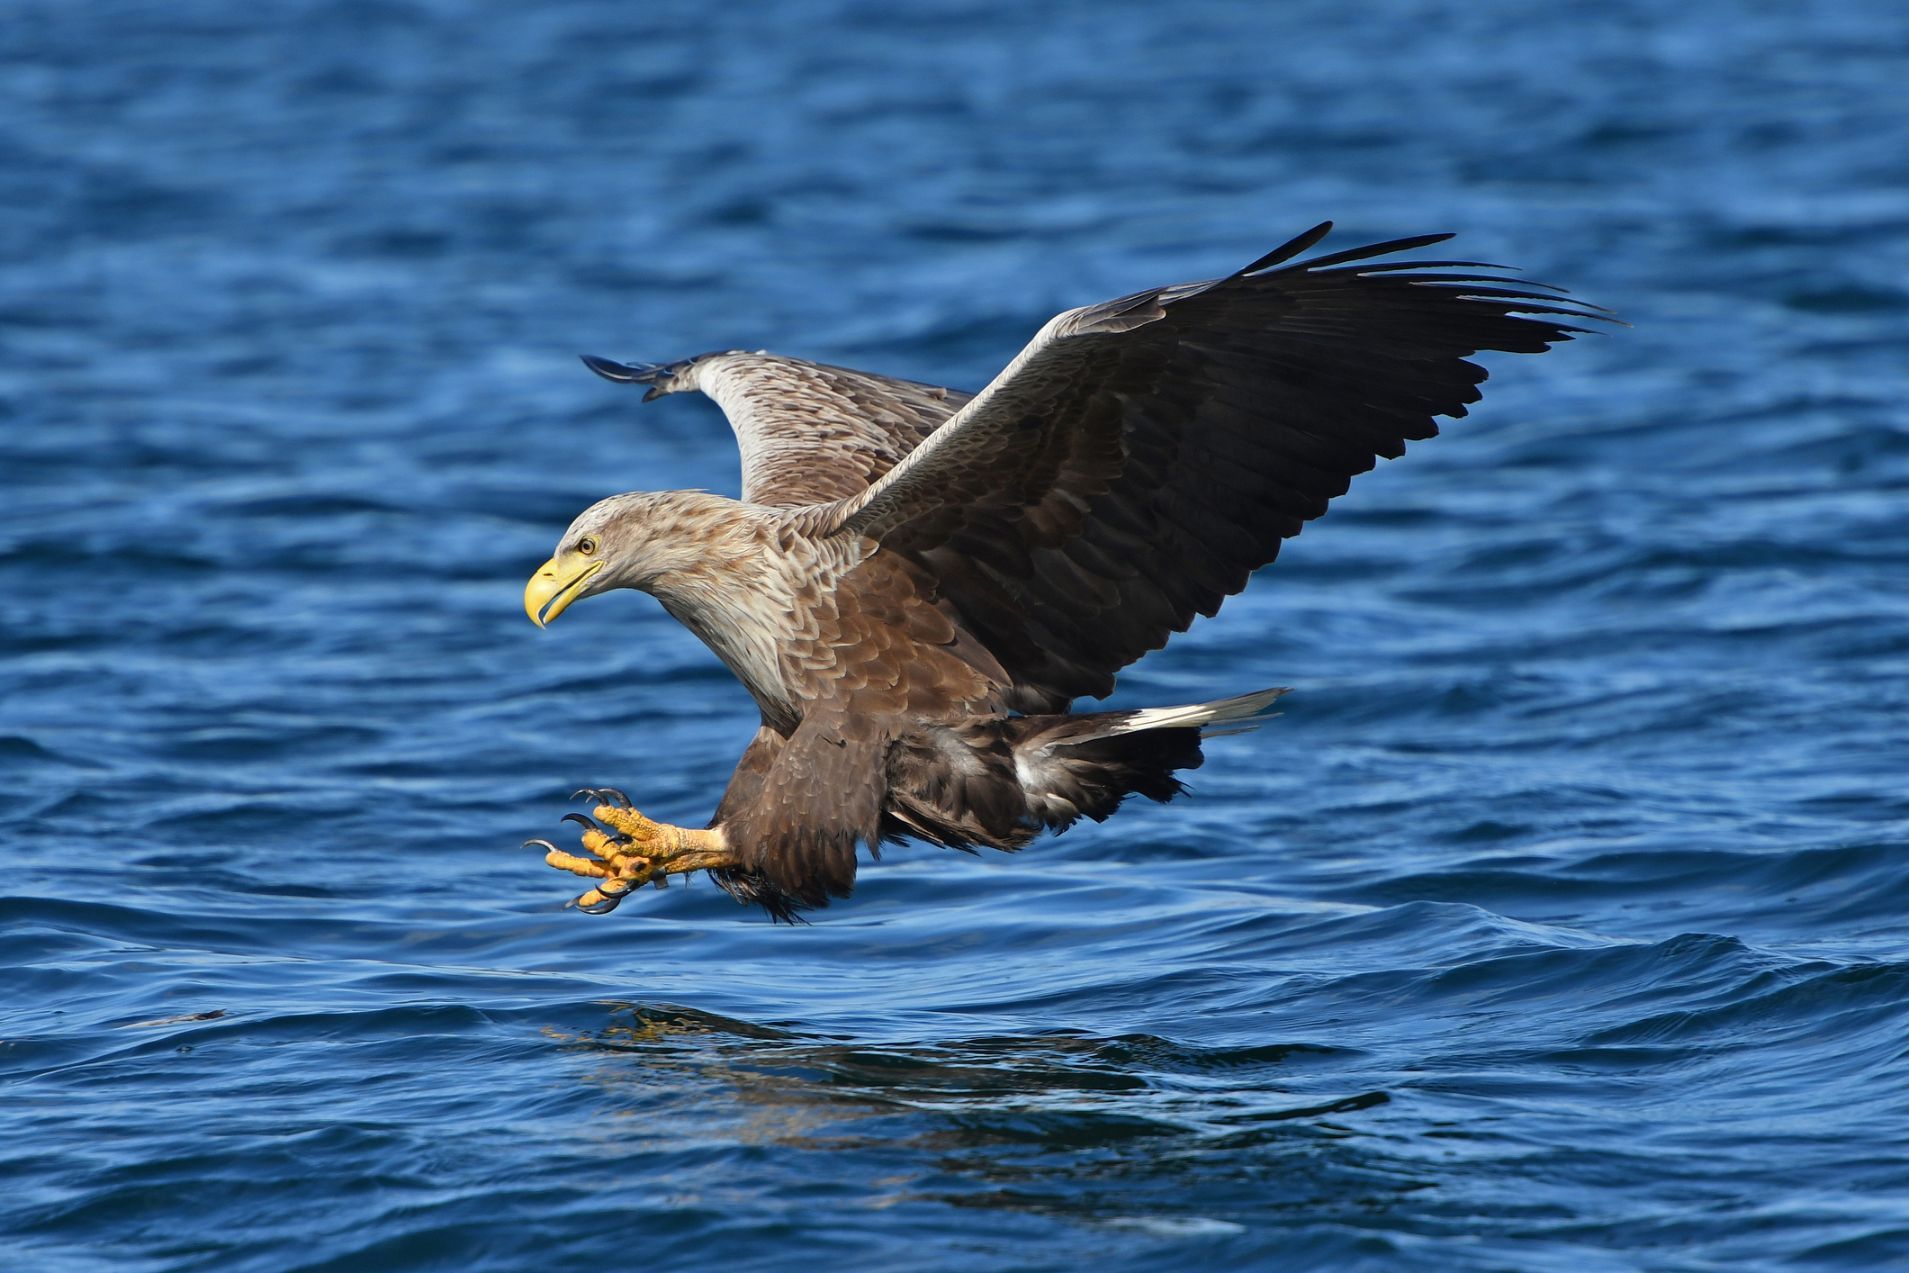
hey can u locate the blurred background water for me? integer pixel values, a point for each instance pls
(1558, 924)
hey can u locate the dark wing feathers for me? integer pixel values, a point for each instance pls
(1290, 248)
(1317, 263)
(1141, 458)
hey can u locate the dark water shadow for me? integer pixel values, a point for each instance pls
(1131, 1130)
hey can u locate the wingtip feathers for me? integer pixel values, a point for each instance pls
(1288, 250)
(609, 369)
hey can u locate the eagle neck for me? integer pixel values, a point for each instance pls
(736, 596)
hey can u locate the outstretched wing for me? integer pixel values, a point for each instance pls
(1141, 458)
(809, 433)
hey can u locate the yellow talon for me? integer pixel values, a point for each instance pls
(628, 850)
(575, 865)
(634, 826)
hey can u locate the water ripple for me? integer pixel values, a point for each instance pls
(1555, 925)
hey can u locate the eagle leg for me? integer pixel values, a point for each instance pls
(628, 850)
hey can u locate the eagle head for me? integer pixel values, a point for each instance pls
(639, 540)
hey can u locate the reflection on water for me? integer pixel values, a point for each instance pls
(1133, 1130)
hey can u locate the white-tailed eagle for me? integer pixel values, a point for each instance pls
(917, 583)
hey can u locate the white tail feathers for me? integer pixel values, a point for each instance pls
(1241, 713)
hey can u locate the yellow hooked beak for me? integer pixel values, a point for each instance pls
(556, 584)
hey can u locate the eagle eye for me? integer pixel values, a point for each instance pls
(587, 545)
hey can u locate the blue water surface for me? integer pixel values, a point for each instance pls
(1558, 923)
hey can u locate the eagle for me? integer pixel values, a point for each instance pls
(917, 583)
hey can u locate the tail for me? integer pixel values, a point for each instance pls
(1239, 714)
(1072, 767)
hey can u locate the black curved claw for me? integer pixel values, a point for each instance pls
(607, 899)
(610, 795)
(592, 792)
(589, 823)
(543, 844)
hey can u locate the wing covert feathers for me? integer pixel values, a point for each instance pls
(808, 432)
